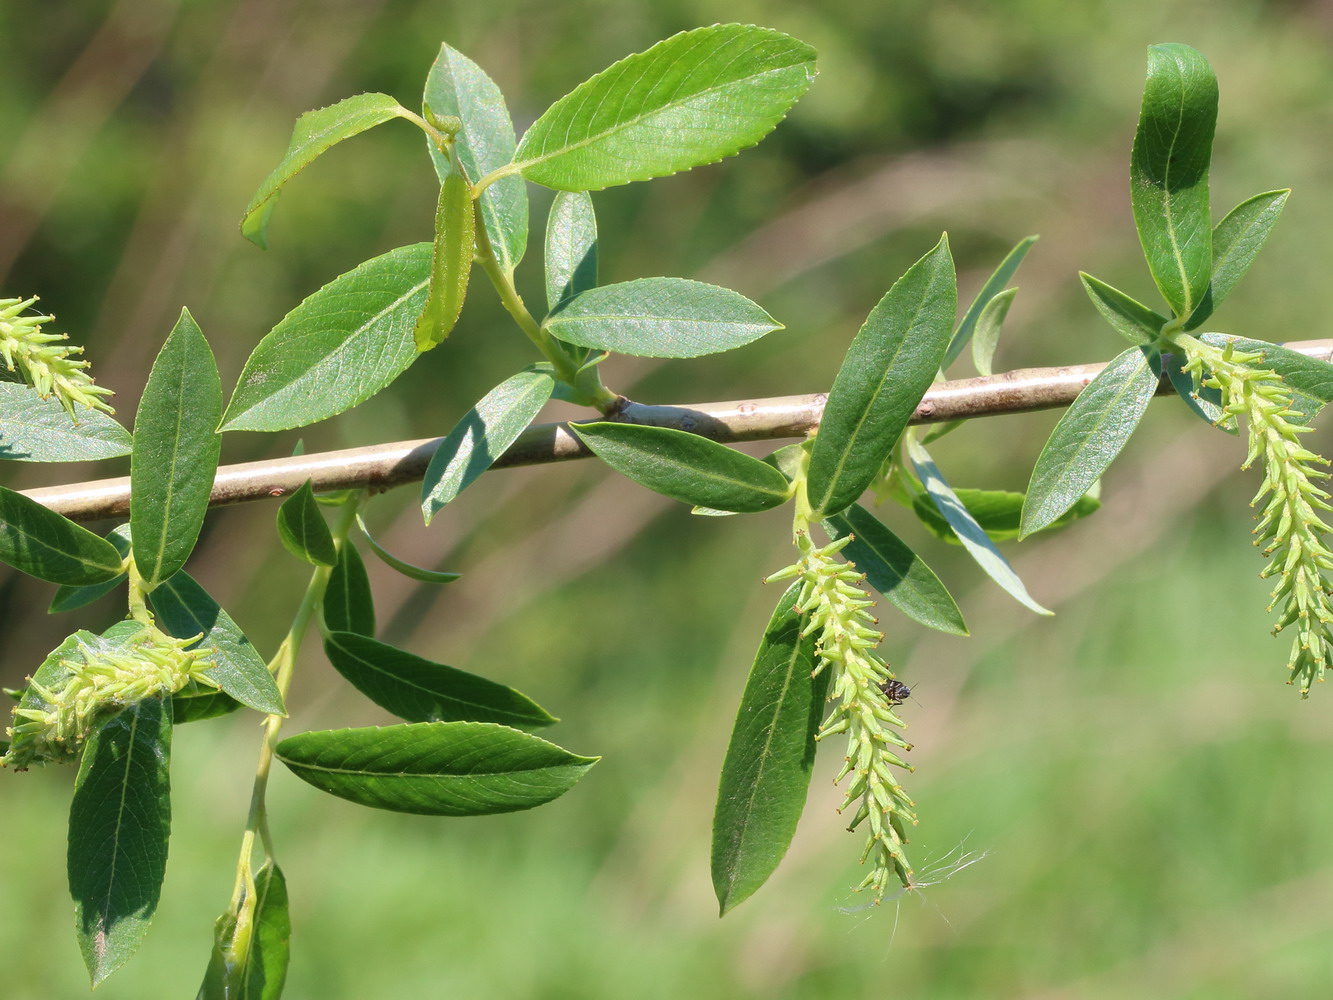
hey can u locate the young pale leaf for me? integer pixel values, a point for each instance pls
(418, 690)
(897, 572)
(1237, 240)
(987, 335)
(689, 100)
(33, 429)
(185, 609)
(303, 530)
(887, 370)
(770, 757)
(686, 467)
(41, 543)
(1130, 318)
(119, 824)
(660, 318)
(997, 513)
(69, 598)
(1169, 173)
(1088, 437)
(315, 132)
(482, 436)
(336, 349)
(348, 604)
(406, 568)
(993, 287)
(571, 247)
(249, 959)
(458, 86)
(451, 263)
(435, 768)
(973, 538)
(176, 448)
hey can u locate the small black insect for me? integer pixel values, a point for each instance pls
(895, 690)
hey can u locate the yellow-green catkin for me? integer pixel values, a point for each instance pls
(44, 360)
(1291, 529)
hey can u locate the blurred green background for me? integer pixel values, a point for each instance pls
(1151, 800)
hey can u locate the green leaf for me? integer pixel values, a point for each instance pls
(887, 370)
(1169, 173)
(303, 530)
(996, 512)
(892, 568)
(249, 958)
(451, 263)
(571, 247)
(33, 429)
(69, 598)
(769, 760)
(348, 604)
(987, 335)
(1237, 240)
(1088, 437)
(418, 690)
(692, 99)
(970, 534)
(435, 768)
(1131, 319)
(406, 568)
(176, 447)
(660, 318)
(686, 467)
(197, 702)
(315, 131)
(43, 544)
(185, 609)
(993, 287)
(336, 349)
(482, 436)
(458, 86)
(119, 824)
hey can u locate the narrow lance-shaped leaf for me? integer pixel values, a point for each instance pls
(1237, 240)
(686, 467)
(33, 429)
(435, 768)
(348, 604)
(303, 530)
(406, 568)
(887, 370)
(1169, 173)
(1128, 317)
(41, 543)
(993, 287)
(315, 131)
(250, 950)
(692, 99)
(119, 825)
(1088, 437)
(69, 598)
(997, 513)
(987, 336)
(451, 263)
(769, 760)
(571, 247)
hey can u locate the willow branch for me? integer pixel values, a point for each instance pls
(382, 466)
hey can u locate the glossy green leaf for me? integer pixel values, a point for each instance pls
(250, 953)
(482, 436)
(303, 530)
(887, 370)
(1237, 240)
(119, 825)
(1130, 318)
(660, 318)
(458, 86)
(1088, 437)
(692, 99)
(185, 609)
(987, 336)
(338, 348)
(451, 263)
(435, 768)
(418, 690)
(769, 760)
(1169, 173)
(892, 568)
(348, 604)
(686, 467)
(315, 131)
(406, 568)
(993, 287)
(571, 247)
(970, 534)
(43, 544)
(198, 702)
(68, 598)
(996, 512)
(33, 429)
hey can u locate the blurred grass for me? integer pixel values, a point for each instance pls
(1152, 798)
